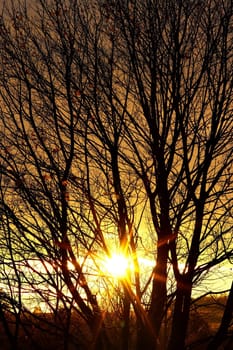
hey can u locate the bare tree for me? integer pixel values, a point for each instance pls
(221, 334)
(116, 124)
(167, 69)
(39, 121)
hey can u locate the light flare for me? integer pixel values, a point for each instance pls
(117, 265)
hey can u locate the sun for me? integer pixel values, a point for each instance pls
(117, 265)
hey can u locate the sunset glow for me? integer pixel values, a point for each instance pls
(117, 265)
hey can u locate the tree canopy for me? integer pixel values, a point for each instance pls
(116, 136)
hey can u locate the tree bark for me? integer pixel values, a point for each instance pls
(180, 314)
(226, 320)
(148, 335)
(125, 322)
(6, 329)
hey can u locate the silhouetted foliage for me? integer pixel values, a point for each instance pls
(116, 134)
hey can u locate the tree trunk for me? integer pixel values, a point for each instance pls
(125, 322)
(180, 315)
(100, 339)
(148, 334)
(6, 329)
(145, 338)
(226, 320)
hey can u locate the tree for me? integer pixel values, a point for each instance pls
(225, 323)
(114, 114)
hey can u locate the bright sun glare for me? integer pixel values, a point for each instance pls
(117, 265)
